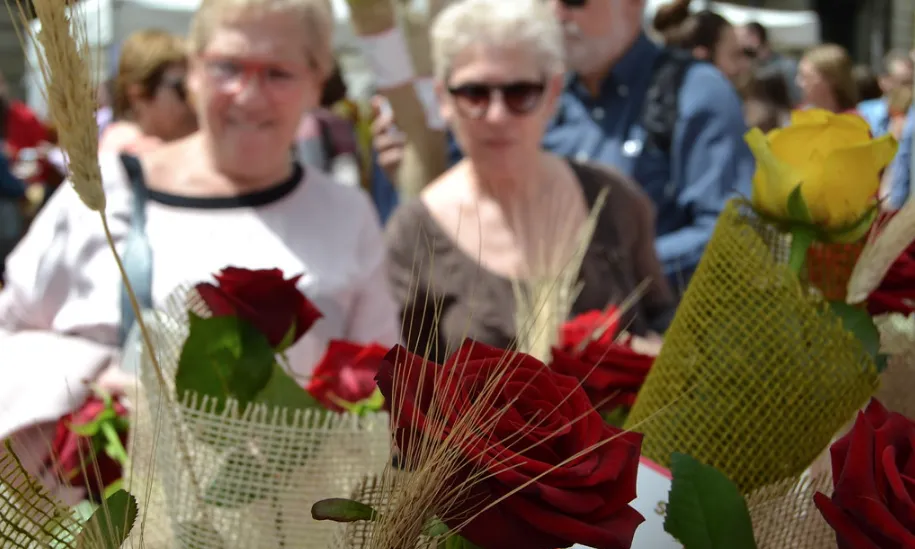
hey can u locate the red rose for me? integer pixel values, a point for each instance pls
(610, 372)
(525, 444)
(346, 372)
(599, 325)
(611, 375)
(265, 299)
(873, 467)
(80, 460)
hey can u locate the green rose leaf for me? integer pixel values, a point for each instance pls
(282, 391)
(797, 207)
(435, 528)
(457, 542)
(860, 323)
(371, 404)
(224, 357)
(705, 509)
(342, 510)
(233, 484)
(110, 523)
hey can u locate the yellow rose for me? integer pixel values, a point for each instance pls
(833, 159)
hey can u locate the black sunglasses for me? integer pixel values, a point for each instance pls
(574, 3)
(520, 98)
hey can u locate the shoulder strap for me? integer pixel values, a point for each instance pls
(327, 140)
(661, 108)
(137, 255)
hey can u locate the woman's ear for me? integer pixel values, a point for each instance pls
(442, 98)
(553, 91)
(701, 52)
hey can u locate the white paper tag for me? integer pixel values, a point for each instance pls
(652, 487)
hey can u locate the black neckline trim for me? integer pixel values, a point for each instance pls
(248, 200)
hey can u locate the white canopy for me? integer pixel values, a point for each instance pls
(791, 30)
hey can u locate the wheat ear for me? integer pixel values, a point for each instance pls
(71, 96)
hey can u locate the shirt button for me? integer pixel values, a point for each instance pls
(582, 156)
(598, 113)
(623, 91)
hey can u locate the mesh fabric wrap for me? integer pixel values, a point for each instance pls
(784, 515)
(755, 375)
(257, 472)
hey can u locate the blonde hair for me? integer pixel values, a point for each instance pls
(144, 58)
(837, 68)
(528, 24)
(317, 24)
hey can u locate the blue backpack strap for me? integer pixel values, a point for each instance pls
(137, 255)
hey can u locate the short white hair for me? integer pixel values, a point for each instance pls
(526, 24)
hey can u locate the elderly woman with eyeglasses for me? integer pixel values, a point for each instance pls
(509, 210)
(230, 194)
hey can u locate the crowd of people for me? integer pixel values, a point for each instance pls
(238, 146)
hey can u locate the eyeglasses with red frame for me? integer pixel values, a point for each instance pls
(233, 73)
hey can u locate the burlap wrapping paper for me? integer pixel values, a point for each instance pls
(784, 515)
(756, 374)
(238, 479)
(897, 387)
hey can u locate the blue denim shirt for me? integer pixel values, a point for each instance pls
(900, 169)
(877, 114)
(709, 161)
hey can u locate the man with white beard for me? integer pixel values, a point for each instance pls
(672, 124)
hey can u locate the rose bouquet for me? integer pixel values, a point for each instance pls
(610, 369)
(499, 451)
(237, 446)
(866, 503)
(760, 369)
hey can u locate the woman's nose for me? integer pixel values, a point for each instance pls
(497, 112)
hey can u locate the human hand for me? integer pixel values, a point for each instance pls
(648, 345)
(387, 140)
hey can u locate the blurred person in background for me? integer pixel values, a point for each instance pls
(899, 175)
(327, 141)
(25, 141)
(826, 80)
(706, 34)
(229, 194)
(12, 193)
(867, 83)
(510, 210)
(899, 103)
(672, 124)
(754, 39)
(767, 101)
(897, 73)
(150, 103)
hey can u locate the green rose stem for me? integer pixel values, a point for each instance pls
(801, 240)
(113, 446)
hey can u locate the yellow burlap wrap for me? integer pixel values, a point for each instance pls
(756, 374)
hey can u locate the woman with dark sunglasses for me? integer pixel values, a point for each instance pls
(509, 210)
(150, 94)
